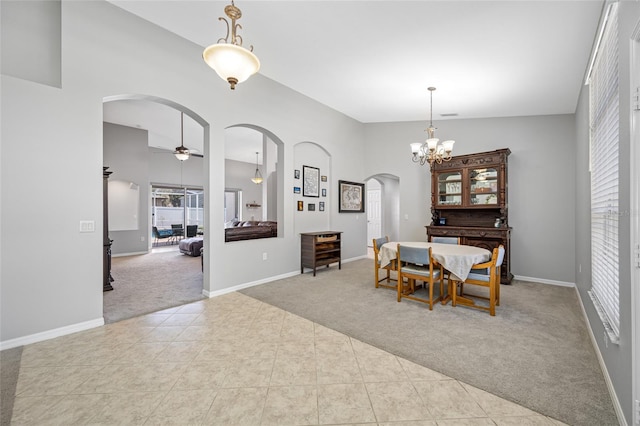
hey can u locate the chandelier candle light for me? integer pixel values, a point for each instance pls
(228, 58)
(430, 150)
(181, 152)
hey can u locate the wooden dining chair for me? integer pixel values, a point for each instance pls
(486, 275)
(445, 240)
(377, 243)
(417, 264)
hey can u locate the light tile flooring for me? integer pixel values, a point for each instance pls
(233, 360)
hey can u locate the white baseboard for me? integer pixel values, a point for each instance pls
(612, 391)
(50, 334)
(544, 281)
(135, 253)
(211, 294)
(216, 293)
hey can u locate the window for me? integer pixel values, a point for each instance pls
(604, 124)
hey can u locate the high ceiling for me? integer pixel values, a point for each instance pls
(373, 60)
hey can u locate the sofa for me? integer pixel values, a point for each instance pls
(250, 230)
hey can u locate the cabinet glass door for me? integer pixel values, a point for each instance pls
(484, 186)
(450, 189)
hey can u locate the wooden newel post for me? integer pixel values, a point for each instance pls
(106, 241)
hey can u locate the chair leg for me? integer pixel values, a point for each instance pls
(375, 266)
(492, 299)
(430, 293)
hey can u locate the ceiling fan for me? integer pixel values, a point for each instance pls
(182, 153)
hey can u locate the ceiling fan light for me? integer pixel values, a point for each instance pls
(231, 62)
(181, 153)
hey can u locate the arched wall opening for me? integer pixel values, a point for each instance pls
(312, 187)
(383, 207)
(140, 133)
(249, 147)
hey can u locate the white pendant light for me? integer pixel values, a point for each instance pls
(229, 59)
(257, 178)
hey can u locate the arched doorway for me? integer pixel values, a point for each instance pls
(139, 136)
(383, 207)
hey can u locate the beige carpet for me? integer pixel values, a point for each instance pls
(536, 351)
(151, 282)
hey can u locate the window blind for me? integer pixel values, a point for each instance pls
(604, 156)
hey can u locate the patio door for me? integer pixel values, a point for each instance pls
(177, 207)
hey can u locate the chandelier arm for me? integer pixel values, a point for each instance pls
(225, 38)
(234, 36)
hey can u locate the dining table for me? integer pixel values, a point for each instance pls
(455, 258)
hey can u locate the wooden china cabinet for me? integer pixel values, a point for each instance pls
(469, 200)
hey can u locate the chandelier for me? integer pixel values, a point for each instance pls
(181, 152)
(431, 150)
(229, 59)
(257, 178)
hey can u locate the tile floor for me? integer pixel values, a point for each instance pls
(233, 360)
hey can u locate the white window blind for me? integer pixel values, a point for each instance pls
(604, 156)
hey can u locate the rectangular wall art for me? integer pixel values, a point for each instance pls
(351, 197)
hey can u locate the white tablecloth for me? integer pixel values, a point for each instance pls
(457, 259)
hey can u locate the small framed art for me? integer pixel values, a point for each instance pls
(321, 206)
(323, 178)
(311, 207)
(351, 197)
(300, 206)
(296, 189)
(310, 181)
(324, 192)
(296, 174)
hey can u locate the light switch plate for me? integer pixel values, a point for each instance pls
(87, 226)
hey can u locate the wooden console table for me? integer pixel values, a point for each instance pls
(320, 248)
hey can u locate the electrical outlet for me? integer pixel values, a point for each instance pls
(264, 256)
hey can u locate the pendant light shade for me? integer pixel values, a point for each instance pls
(227, 57)
(181, 152)
(232, 63)
(257, 178)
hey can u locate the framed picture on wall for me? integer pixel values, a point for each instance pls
(300, 206)
(296, 189)
(324, 192)
(323, 178)
(321, 206)
(310, 181)
(351, 197)
(311, 207)
(296, 174)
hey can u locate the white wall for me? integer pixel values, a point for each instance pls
(53, 136)
(541, 182)
(126, 153)
(617, 358)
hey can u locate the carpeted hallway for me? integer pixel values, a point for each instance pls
(152, 282)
